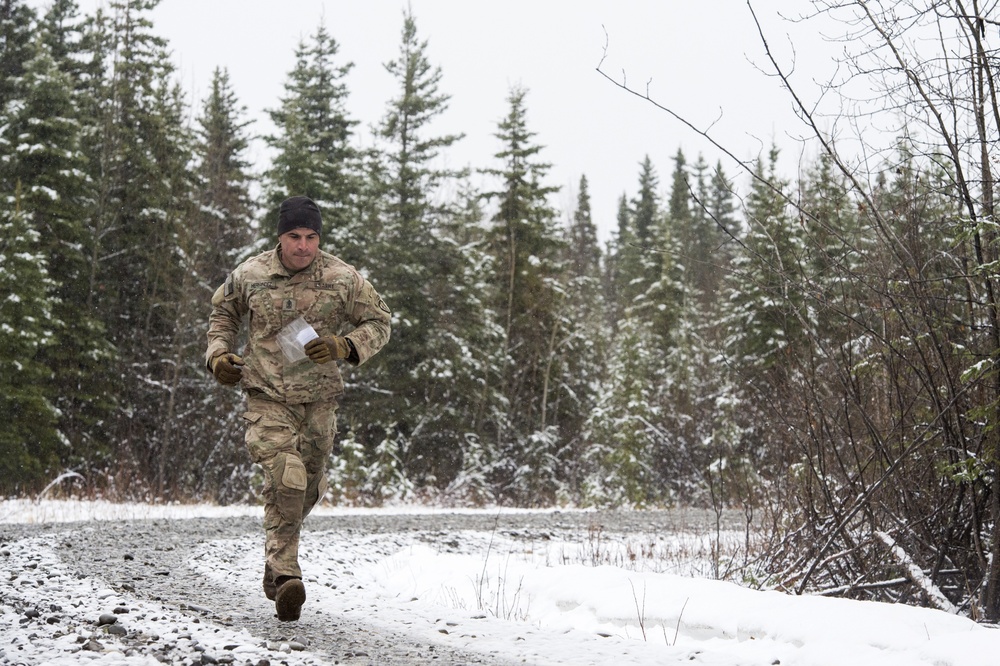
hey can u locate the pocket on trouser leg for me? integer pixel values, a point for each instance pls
(319, 432)
(265, 436)
(317, 444)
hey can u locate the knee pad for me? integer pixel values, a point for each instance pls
(290, 473)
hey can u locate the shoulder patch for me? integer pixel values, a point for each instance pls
(225, 292)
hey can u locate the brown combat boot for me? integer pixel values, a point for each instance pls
(289, 597)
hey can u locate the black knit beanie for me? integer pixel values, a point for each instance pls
(298, 212)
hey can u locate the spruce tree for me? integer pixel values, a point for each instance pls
(583, 248)
(171, 325)
(140, 153)
(618, 463)
(218, 234)
(224, 177)
(720, 206)
(314, 155)
(681, 316)
(420, 273)
(584, 340)
(616, 276)
(706, 245)
(836, 247)
(625, 430)
(29, 441)
(680, 212)
(667, 256)
(767, 323)
(697, 435)
(46, 161)
(476, 398)
(526, 252)
(640, 242)
(765, 290)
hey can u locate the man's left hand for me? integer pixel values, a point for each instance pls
(324, 350)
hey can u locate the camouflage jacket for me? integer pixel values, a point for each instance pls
(332, 297)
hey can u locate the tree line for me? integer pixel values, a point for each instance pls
(818, 352)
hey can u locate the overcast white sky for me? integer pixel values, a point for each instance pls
(695, 57)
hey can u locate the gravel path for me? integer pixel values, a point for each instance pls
(150, 561)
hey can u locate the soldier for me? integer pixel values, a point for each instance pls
(292, 402)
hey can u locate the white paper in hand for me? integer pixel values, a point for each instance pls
(293, 337)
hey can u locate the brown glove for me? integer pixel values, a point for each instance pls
(324, 350)
(227, 368)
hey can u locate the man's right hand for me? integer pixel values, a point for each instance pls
(227, 368)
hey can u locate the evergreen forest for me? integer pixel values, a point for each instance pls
(817, 352)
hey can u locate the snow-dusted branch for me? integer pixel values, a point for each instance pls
(916, 574)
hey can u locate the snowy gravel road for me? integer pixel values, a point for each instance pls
(188, 591)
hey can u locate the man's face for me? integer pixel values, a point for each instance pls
(298, 248)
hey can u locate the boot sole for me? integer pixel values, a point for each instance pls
(289, 599)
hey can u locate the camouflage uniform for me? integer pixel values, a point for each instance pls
(291, 407)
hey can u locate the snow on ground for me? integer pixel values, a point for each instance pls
(540, 604)
(23, 643)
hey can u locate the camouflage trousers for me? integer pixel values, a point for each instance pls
(292, 444)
